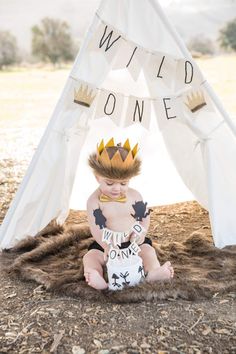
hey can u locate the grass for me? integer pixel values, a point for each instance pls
(220, 72)
(29, 95)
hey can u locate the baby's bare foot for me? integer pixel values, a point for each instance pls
(95, 280)
(164, 272)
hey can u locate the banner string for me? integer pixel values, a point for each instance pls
(134, 43)
(184, 91)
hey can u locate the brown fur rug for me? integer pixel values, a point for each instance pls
(54, 258)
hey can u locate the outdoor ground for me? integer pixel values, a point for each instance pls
(35, 321)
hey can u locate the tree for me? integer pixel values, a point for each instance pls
(8, 49)
(227, 36)
(51, 41)
(201, 45)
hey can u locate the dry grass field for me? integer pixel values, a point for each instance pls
(221, 74)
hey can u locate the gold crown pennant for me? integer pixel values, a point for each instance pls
(195, 101)
(111, 155)
(84, 96)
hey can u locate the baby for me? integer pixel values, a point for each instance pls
(116, 206)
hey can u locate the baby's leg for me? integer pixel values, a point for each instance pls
(152, 266)
(93, 269)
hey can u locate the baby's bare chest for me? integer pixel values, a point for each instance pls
(119, 216)
(113, 210)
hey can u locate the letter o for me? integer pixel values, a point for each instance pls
(110, 255)
(112, 107)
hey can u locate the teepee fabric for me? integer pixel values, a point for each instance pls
(133, 77)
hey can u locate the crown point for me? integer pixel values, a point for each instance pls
(127, 145)
(100, 147)
(128, 160)
(135, 150)
(116, 160)
(110, 143)
(104, 158)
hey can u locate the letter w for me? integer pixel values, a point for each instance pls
(107, 39)
(107, 234)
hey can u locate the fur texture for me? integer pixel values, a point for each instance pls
(114, 172)
(54, 258)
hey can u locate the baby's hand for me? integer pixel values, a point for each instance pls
(139, 239)
(133, 237)
(106, 248)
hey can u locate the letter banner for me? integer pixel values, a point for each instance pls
(107, 236)
(160, 68)
(199, 111)
(167, 109)
(164, 69)
(124, 253)
(192, 103)
(107, 40)
(187, 75)
(138, 111)
(131, 57)
(138, 229)
(139, 59)
(110, 104)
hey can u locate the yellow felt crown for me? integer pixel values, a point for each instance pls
(195, 101)
(110, 158)
(84, 96)
(115, 161)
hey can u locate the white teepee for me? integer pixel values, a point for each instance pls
(133, 78)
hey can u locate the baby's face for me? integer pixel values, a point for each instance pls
(113, 188)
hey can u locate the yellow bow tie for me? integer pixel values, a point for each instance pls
(106, 198)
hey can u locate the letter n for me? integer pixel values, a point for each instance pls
(125, 253)
(138, 111)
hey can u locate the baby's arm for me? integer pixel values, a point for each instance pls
(96, 220)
